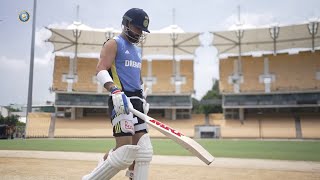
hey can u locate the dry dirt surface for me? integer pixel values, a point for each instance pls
(39, 165)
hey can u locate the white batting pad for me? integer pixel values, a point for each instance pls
(144, 156)
(117, 160)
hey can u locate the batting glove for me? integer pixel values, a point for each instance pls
(121, 103)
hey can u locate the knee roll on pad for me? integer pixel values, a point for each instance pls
(145, 151)
(117, 160)
(123, 157)
(144, 156)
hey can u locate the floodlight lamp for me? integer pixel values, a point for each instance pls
(109, 34)
(76, 33)
(239, 33)
(274, 32)
(313, 27)
(174, 35)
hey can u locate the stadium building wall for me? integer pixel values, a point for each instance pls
(271, 87)
(78, 94)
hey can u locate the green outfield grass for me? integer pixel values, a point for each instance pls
(282, 150)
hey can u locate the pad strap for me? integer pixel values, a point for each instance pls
(140, 127)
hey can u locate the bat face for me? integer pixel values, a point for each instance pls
(165, 127)
(186, 142)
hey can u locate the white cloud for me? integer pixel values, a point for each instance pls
(43, 34)
(45, 60)
(12, 64)
(14, 78)
(43, 72)
(59, 25)
(22, 64)
(14, 73)
(250, 20)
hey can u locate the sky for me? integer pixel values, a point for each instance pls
(192, 16)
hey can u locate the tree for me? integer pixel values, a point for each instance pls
(209, 101)
(196, 107)
(1, 119)
(10, 120)
(13, 120)
(11, 109)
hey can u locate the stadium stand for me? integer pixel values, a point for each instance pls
(86, 68)
(256, 126)
(301, 76)
(144, 68)
(294, 90)
(225, 70)
(186, 126)
(264, 96)
(252, 69)
(83, 127)
(302, 72)
(310, 125)
(187, 72)
(237, 129)
(38, 125)
(215, 117)
(75, 106)
(295, 87)
(277, 126)
(162, 70)
(61, 67)
(100, 126)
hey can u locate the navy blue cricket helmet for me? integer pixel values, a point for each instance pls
(137, 17)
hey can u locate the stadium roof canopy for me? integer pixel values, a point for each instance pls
(171, 40)
(79, 38)
(268, 40)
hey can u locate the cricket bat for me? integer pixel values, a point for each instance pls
(186, 142)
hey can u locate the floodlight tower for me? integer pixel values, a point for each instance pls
(313, 29)
(29, 104)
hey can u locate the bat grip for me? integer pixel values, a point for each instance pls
(136, 97)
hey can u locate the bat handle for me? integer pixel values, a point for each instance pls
(136, 97)
(145, 93)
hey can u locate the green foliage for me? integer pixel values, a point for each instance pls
(1, 119)
(12, 120)
(213, 94)
(11, 109)
(20, 123)
(196, 106)
(209, 97)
